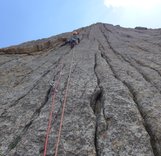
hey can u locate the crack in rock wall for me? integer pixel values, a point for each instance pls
(114, 98)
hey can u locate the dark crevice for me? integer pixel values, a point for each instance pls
(132, 93)
(159, 64)
(100, 87)
(41, 65)
(14, 143)
(129, 62)
(18, 138)
(108, 30)
(96, 139)
(154, 142)
(24, 95)
(110, 46)
(13, 104)
(96, 104)
(143, 75)
(101, 48)
(146, 76)
(27, 74)
(146, 126)
(142, 48)
(57, 63)
(144, 65)
(95, 101)
(136, 46)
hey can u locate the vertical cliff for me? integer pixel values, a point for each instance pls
(113, 103)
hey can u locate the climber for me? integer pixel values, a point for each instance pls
(73, 40)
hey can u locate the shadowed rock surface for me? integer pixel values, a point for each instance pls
(141, 28)
(114, 98)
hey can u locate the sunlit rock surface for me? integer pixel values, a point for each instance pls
(114, 97)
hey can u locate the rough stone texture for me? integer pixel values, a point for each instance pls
(35, 46)
(141, 28)
(114, 98)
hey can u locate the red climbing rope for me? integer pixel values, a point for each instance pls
(51, 112)
(64, 104)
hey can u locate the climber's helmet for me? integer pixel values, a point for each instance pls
(75, 33)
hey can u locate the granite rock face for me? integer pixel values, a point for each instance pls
(113, 105)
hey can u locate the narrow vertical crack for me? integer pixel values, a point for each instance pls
(96, 104)
(18, 138)
(146, 126)
(147, 66)
(153, 140)
(127, 60)
(101, 48)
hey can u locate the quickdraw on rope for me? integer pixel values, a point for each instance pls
(54, 88)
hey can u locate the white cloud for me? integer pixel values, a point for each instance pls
(131, 13)
(142, 4)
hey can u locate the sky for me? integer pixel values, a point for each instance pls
(26, 20)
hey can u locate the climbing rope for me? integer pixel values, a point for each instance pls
(63, 109)
(64, 104)
(52, 109)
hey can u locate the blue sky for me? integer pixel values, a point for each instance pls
(25, 20)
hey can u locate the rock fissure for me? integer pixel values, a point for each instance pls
(154, 141)
(17, 139)
(130, 63)
(146, 76)
(21, 97)
(36, 83)
(148, 66)
(147, 127)
(136, 102)
(104, 56)
(113, 103)
(57, 63)
(96, 106)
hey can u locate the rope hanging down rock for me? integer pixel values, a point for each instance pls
(64, 104)
(52, 109)
(63, 109)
